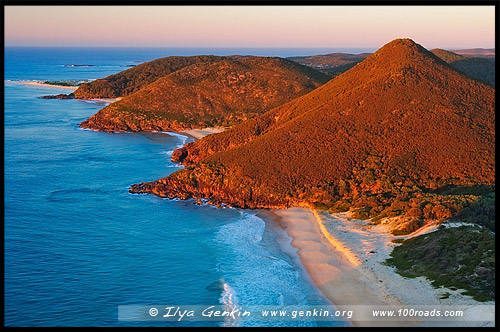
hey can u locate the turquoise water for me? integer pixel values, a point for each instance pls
(78, 245)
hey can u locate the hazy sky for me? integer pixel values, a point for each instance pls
(249, 26)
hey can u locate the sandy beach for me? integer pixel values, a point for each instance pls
(200, 133)
(44, 85)
(344, 258)
(33, 83)
(104, 100)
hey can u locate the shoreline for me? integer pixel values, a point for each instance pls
(41, 84)
(104, 100)
(34, 83)
(270, 216)
(200, 133)
(344, 259)
(195, 134)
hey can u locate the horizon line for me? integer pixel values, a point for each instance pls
(241, 47)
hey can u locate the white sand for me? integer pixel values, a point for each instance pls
(33, 83)
(199, 133)
(344, 259)
(44, 84)
(104, 100)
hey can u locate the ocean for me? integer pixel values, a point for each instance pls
(78, 245)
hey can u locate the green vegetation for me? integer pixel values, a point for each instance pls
(477, 67)
(64, 83)
(481, 212)
(341, 205)
(362, 213)
(462, 257)
(320, 206)
(412, 200)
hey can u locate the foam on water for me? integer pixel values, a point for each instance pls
(229, 300)
(255, 273)
(182, 138)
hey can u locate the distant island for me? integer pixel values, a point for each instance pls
(480, 52)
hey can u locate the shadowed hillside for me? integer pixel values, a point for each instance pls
(480, 68)
(334, 63)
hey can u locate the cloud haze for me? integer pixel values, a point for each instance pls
(249, 26)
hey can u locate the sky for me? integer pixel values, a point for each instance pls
(451, 27)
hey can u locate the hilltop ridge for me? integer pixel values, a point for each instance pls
(402, 122)
(393, 62)
(209, 94)
(131, 80)
(478, 64)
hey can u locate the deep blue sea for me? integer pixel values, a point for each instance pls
(78, 245)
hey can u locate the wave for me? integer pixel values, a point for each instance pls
(255, 271)
(170, 163)
(230, 301)
(183, 138)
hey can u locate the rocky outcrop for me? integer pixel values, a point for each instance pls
(125, 122)
(184, 185)
(179, 155)
(59, 96)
